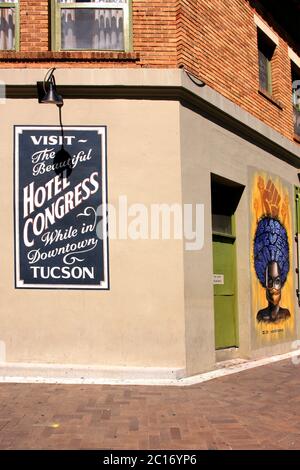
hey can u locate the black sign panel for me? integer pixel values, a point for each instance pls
(61, 208)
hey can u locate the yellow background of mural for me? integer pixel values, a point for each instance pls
(278, 205)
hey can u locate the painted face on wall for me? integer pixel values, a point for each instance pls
(273, 283)
(272, 254)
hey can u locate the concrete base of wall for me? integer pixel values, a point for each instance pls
(75, 374)
(227, 354)
(70, 373)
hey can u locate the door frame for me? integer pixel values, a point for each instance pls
(232, 237)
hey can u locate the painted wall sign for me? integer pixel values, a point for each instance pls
(61, 208)
(218, 279)
(273, 314)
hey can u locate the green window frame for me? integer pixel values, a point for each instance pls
(266, 49)
(10, 4)
(56, 22)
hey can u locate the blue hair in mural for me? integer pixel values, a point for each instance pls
(271, 245)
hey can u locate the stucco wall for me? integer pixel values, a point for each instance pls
(208, 148)
(159, 309)
(140, 321)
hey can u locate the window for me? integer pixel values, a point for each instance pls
(266, 50)
(296, 98)
(9, 16)
(91, 25)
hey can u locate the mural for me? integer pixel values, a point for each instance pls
(271, 260)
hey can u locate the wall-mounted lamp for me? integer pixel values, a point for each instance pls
(47, 92)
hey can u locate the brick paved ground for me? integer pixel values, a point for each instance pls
(255, 409)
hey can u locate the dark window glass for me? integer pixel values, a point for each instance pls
(98, 29)
(222, 223)
(264, 70)
(265, 53)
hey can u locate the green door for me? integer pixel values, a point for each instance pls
(224, 291)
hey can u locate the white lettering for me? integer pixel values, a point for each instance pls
(66, 272)
(53, 139)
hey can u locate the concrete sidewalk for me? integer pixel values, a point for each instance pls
(254, 409)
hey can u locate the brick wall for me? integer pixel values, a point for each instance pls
(34, 25)
(155, 32)
(228, 62)
(214, 39)
(217, 41)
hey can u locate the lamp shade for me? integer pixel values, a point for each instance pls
(51, 96)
